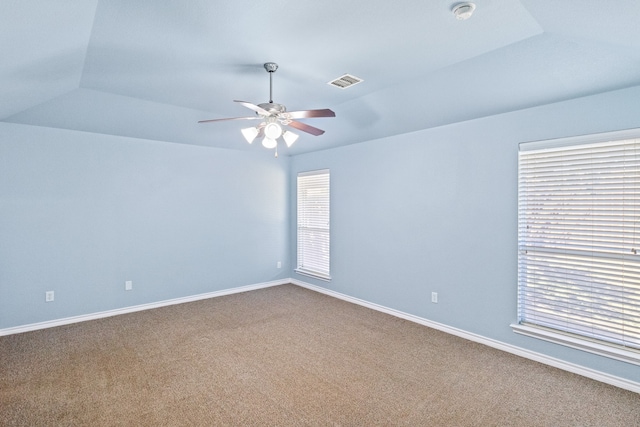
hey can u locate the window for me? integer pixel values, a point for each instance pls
(313, 224)
(579, 243)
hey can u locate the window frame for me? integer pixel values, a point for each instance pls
(313, 226)
(629, 354)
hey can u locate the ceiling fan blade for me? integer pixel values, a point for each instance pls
(230, 118)
(306, 114)
(254, 107)
(305, 128)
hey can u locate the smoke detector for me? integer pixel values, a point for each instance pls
(463, 11)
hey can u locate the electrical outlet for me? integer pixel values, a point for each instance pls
(279, 265)
(48, 296)
(128, 285)
(434, 297)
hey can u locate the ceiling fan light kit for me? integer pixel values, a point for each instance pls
(272, 130)
(250, 134)
(274, 116)
(269, 143)
(289, 137)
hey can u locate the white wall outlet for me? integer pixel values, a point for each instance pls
(128, 285)
(434, 297)
(48, 296)
(279, 264)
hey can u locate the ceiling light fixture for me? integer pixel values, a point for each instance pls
(274, 116)
(289, 137)
(269, 142)
(272, 130)
(463, 11)
(250, 134)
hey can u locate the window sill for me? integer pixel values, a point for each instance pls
(584, 344)
(313, 274)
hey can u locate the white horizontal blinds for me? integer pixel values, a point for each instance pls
(579, 237)
(313, 223)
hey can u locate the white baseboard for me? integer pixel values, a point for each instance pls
(141, 307)
(538, 357)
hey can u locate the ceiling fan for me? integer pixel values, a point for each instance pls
(273, 116)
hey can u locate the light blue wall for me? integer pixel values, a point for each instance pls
(436, 210)
(80, 213)
(433, 210)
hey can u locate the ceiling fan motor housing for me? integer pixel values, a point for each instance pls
(277, 111)
(273, 108)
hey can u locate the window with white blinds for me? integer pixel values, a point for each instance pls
(313, 224)
(579, 245)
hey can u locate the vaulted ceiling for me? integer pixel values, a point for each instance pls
(151, 69)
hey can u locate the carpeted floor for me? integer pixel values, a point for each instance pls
(285, 356)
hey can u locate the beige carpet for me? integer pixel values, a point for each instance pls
(285, 356)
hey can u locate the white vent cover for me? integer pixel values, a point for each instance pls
(345, 81)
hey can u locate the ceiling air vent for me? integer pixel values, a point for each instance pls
(345, 81)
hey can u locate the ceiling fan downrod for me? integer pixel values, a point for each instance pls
(271, 68)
